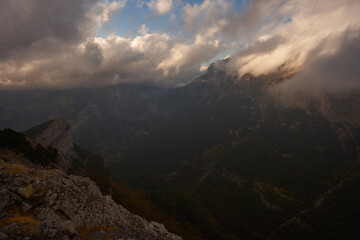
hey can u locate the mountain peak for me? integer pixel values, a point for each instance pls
(56, 133)
(217, 66)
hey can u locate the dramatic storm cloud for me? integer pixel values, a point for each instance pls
(56, 43)
(44, 43)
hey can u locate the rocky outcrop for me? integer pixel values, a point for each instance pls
(48, 204)
(71, 159)
(56, 133)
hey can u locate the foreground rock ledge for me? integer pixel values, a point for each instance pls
(48, 204)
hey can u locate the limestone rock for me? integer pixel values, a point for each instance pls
(57, 206)
(58, 135)
(3, 236)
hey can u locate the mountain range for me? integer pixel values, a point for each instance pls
(219, 158)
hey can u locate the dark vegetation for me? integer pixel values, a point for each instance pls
(94, 168)
(17, 142)
(338, 217)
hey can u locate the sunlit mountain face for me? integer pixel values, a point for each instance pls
(221, 119)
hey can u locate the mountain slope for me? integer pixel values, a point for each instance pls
(335, 215)
(43, 203)
(72, 158)
(220, 158)
(232, 154)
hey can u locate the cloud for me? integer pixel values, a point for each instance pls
(204, 47)
(208, 11)
(26, 23)
(332, 72)
(63, 51)
(35, 34)
(143, 29)
(54, 43)
(308, 38)
(104, 61)
(109, 9)
(161, 7)
(209, 14)
(240, 26)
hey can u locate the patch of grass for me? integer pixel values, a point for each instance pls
(44, 190)
(14, 168)
(85, 232)
(28, 225)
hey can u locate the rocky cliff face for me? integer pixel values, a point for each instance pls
(48, 204)
(56, 133)
(72, 158)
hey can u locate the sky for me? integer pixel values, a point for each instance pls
(85, 43)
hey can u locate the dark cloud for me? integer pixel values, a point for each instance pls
(24, 23)
(284, 47)
(332, 72)
(94, 55)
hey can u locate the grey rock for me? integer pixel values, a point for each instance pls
(52, 198)
(26, 207)
(39, 186)
(70, 203)
(3, 236)
(51, 233)
(28, 181)
(58, 135)
(68, 227)
(65, 237)
(13, 188)
(158, 227)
